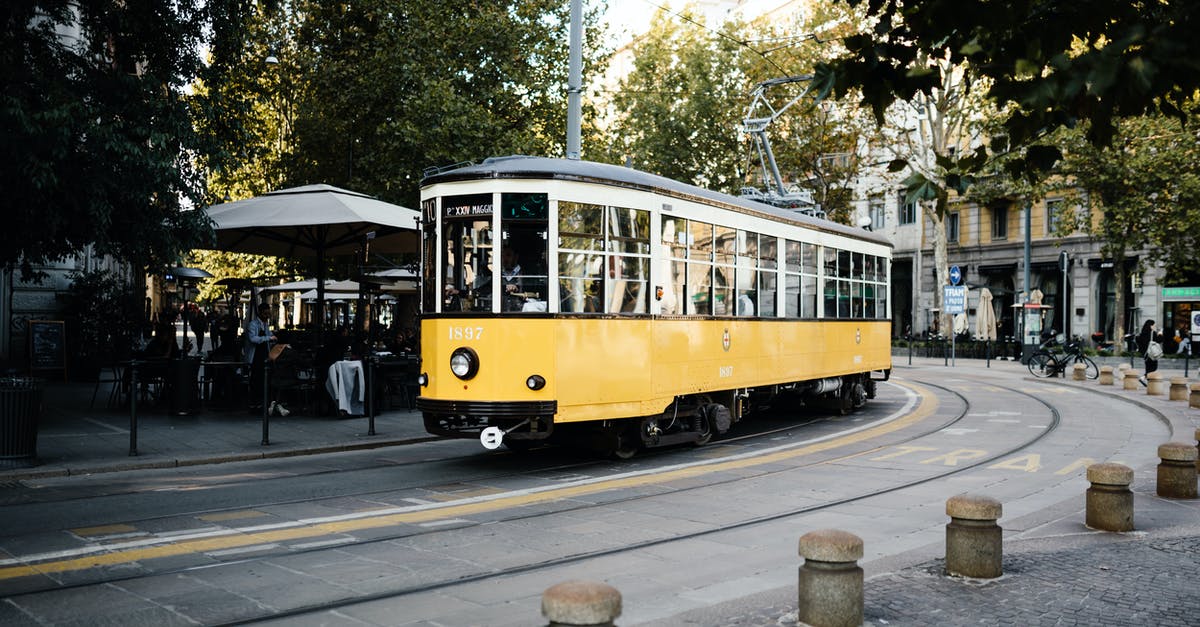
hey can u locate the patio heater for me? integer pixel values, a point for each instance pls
(181, 399)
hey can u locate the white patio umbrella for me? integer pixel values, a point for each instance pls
(313, 221)
(985, 316)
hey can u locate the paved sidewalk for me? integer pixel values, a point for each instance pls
(74, 439)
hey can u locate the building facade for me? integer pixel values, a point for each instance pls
(987, 243)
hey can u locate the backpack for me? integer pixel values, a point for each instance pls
(1154, 350)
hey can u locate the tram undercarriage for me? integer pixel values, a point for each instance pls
(692, 419)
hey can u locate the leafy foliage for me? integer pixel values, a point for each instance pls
(678, 112)
(1146, 185)
(96, 128)
(1054, 62)
(366, 95)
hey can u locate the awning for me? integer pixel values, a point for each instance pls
(998, 268)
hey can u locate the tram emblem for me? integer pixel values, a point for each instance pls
(858, 336)
(725, 340)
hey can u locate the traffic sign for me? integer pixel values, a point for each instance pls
(954, 299)
(955, 275)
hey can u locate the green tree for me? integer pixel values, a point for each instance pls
(681, 105)
(366, 95)
(1144, 190)
(690, 90)
(1054, 62)
(96, 128)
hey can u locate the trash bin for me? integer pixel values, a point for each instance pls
(184, 375)
(20, 409)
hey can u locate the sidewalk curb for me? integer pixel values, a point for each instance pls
(21, 474)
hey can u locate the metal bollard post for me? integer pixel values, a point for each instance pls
(831, 581)
(1177, 470)
(1106, 375)
(974, 542)
(1178, 390)
(1131, 379)
(371, 374)
(1079, 372)
(1156, 385)
(581, 603)
(266, 405)
(133, 399)
(1109, 500)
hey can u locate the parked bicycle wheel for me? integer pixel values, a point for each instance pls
(1092, 371)
(1041, 364)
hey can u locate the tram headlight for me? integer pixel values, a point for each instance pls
(423, 379)
(535, 382)
(464, 363)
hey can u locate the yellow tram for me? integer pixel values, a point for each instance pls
(596, 304)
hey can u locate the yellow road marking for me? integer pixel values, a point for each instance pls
(103, 530)
(242, 515)
(926, 408)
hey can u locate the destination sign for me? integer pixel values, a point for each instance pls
(467, 206)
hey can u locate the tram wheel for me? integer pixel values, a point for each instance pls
(627, 445)
(704, 430)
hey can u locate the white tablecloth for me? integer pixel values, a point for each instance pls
(347, 386)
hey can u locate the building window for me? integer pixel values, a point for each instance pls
(1054, 209)
(908, 211)
(999, 223)
(878, 214)
(952, 228)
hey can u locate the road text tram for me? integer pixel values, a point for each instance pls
(596, 304)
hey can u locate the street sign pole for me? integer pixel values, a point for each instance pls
(954, 302)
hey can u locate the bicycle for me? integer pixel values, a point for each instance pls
(1044, 363)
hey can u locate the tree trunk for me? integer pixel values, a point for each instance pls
(937, 221)
(1119, 278)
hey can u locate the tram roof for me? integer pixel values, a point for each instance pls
(607, 174)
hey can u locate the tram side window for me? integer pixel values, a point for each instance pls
(809, 294)
(767, 278)
(674, 254)
(699, 269)
(791, 279)
(580, 257)
(724, 257)
(747, 271)
(629, 265)
(523, 246)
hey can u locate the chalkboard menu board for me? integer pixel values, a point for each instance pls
(47, 345)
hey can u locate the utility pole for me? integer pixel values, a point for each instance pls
(575, 81)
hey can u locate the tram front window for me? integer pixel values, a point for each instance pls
(468, 263)
(524, 276)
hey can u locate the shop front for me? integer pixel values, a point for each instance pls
(1181, 318)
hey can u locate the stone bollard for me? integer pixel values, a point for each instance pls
(974, 542)
(831, 582)
(1106, 375)
(1179, 389)
(1194, 397)
(581, 603)
(1079, 373)
(1109, 500)
(1156, 385)
(1131, 379)
(1177, 470)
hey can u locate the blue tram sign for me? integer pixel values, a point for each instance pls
(955, 275)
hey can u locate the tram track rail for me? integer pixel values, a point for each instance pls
(568, 559)
(1055, 419)
(946, 422)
